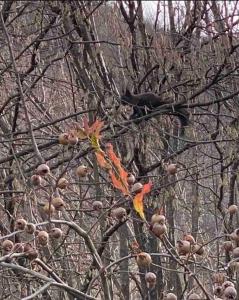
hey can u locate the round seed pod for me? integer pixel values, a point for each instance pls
(43, 170)
(58, 203)
(43, 238)
(235, 235)
(234, 265)
(189, 238)
(226, 284)
(137, 187)
(97, 205)
(36, 232)
(82, 171)
(232, 209)
(150, 278)
(62, 183)
(63, 139)
(143, 259)
(218, 291)
(193, 296)
(18, 248)
(7, 245)
(72, 138)
(56, 233)
(235, 252)
(159, 229)
(227, 246)
(183, 247)
(30, 252)
(198, 249)
(49, 209)
(171, 169)
(131, 179)
(36, 180)
(20, 224)
(30, 228)
(230, 293)
(156, 218)
(171, 296)
(119, 213)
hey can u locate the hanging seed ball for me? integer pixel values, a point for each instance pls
(18, 248)
(131, 179)
(234, 265)
(7, 245)
(230, 293)
(119, 213)
(183, 247)
(49, 209)
(232, 209)
(226, 284)
(43, 238)
(72, 138)
(218, 291)
(30, 252)
(20, 224)
(171, 169)
(227, 246)
(171, 296)
(198, 249)
(143, 259)
(137, 187)
(56, 233)
(159, 229)
(156, 218)
(30, 228)
(63, 139)
(193, 297)
(235, 235)
(36, 232)
(97, 205)
(235, 252)
(43, 170)
(189, 238)
(62, 183)
(82, 171)
(150, 278)
(36, 180)
(58, 203)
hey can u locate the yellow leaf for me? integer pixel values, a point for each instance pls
(138, 200)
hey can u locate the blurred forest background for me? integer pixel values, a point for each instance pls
(63, 61)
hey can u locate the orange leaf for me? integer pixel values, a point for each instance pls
(117, 163)
(112, 155)
(146, 188)
(95, 128)
(102, 162)
(117, 183)
(138, 200)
